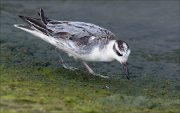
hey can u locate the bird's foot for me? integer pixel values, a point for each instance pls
(95, 74)
(66, 66)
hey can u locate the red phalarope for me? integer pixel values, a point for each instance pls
(83, 41)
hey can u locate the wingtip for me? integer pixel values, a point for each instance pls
(21, 16)
(42, 16)
(41, 10)
(16, 25)
(38, 12)
(19, 26)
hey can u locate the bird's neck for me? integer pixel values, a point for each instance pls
(109, 49)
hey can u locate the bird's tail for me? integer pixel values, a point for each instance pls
(36, 24)
(37, 27)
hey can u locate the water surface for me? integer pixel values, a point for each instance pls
(151, 28)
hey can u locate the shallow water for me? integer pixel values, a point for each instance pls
(151, 28)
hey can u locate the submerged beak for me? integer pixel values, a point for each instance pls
(125, 69)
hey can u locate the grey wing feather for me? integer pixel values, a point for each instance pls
(67, 29)
(64, 29)
(80, 33)
(85, 36)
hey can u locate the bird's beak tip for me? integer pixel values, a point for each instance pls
(126, 71)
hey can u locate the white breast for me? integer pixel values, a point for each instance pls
(97, 54)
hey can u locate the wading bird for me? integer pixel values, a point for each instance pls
(84, 41)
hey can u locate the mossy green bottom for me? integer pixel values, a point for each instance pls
(49, 90)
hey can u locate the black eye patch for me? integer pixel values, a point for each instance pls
(119, 54)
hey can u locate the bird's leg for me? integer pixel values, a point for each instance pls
(87, 67)
(91, 71)
(64, 65)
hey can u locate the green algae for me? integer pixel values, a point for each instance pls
(31, 82)
(45, 89)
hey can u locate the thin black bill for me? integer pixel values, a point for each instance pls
(125, 69)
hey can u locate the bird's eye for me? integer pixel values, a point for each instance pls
(119, 54)
(115, 50)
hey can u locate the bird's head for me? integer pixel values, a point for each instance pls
(121, 54)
